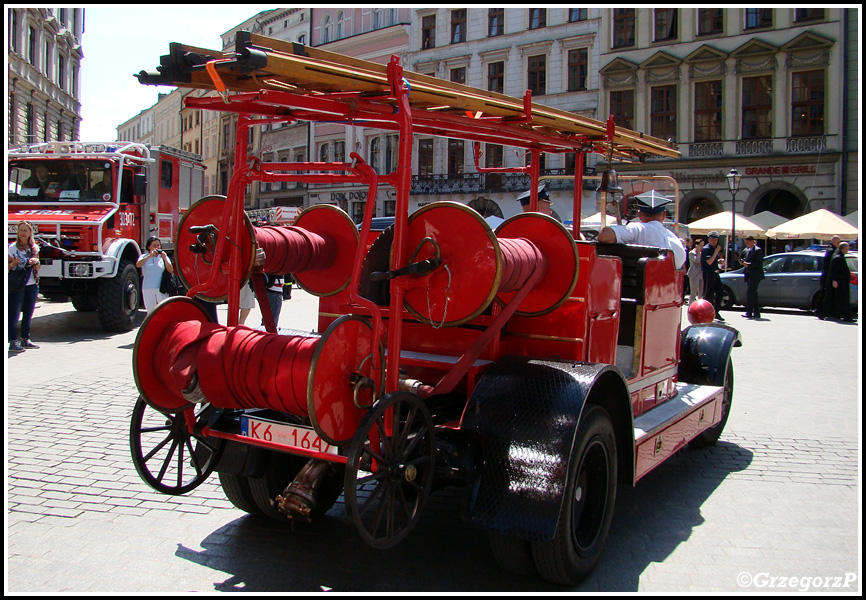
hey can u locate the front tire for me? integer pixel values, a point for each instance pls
(587, 509)
(118, 298)
(728, 298)
(710, 436)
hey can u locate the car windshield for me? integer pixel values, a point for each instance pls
(60, 180)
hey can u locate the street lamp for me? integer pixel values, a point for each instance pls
(733, 185)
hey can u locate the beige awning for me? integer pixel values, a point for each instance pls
(721, 222)
(820, 224)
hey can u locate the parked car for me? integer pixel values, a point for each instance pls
(792, 280)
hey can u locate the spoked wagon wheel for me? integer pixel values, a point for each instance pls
(390, 469)
(166, 455)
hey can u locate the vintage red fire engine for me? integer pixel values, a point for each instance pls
(93, 206)
(536, 369)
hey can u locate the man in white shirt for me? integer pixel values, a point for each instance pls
(648, 230)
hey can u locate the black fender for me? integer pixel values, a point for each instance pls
(522, 416)
(704, 353)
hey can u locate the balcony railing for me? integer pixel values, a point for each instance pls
(816, 143)
(471, 183)
(751, 147)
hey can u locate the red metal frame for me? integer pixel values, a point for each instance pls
(570, 328)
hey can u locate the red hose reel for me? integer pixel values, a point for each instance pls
(318, 249)
(480, 265)
(182, 358)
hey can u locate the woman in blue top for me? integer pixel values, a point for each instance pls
(152, 265)
(23, 254)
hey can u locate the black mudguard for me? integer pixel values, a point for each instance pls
(704, 353)
(524, 413)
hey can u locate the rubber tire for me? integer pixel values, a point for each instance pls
(710, 436)
(279, 472)
(512, 554)
(237, 490)
(113, 298)
(84, 303)
(560, 560)
(727, 298)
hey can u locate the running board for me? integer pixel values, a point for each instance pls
(663, 430)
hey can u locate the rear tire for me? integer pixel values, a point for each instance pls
(587, 509)
(237, 490)
(118, 298)
(512, 554)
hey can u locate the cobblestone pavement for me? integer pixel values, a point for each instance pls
(774, 507)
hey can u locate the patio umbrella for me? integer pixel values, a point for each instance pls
(721, 222)
(853, 218)
(820, 224)
(767, 219)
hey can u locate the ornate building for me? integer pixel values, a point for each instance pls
(760, 90)
(44, 82)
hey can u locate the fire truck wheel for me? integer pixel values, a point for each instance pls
(166, 455)
(710, 436)
(279, 472)
(586, 513)
(512, 554)
(117, 298)
(237, 490)
(390, 469)
(84, 303)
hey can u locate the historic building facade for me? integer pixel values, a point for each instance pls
(760, 90)
(551, 52)
(770, 92)
(44, 74)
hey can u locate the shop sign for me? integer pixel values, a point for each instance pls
(781, 170)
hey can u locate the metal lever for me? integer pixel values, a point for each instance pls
(205, 235)
(419, 268)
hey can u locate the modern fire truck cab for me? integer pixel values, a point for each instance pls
(93, 206)
(536, 369)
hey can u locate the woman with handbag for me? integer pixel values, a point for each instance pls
(153, 264)
(23, 286)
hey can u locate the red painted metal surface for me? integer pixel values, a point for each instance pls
(466, 283)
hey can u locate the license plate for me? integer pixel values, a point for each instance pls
(295, 436)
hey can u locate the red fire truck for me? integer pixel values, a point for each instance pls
(93, 206)
(535, 369)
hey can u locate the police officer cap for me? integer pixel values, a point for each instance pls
(713, 234)
(652, 202)
(524, 198)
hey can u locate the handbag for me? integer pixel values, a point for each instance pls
(18, 279)
(167, 284)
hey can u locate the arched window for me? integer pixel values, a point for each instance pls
(338, 26)
(326, 29)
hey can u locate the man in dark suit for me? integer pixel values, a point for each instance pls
(825, 305)
(839, 282)
(753, 261)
